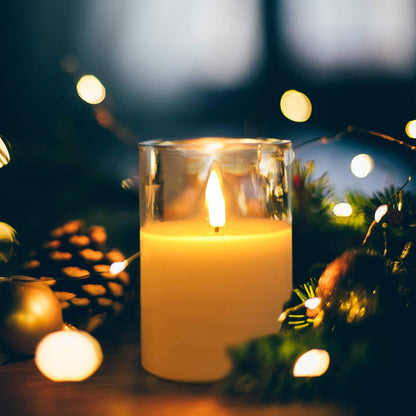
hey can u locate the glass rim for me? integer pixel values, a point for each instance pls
(221, 141)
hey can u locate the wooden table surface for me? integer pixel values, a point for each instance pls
(121, 387)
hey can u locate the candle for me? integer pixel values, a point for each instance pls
(213, 274)
(202, 293)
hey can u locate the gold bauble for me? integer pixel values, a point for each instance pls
(29, 310)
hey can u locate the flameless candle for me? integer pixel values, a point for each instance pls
(208, 283)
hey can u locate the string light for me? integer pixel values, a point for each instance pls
(312, 303)
(411, 129)
(296, 106)
(118, 266)
(362, 165)
(343, 209)
(313, 363)
(90, 89)
(381, 211)
(114, 268)
(68, 355)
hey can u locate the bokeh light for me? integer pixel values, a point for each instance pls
(312, 363)
(343, 209)
(68, 355)
(381, 211)
(296, 106)
(362, 165)
(411, 129)
(91, 90)
(312, 303)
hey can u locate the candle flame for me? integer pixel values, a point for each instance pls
(215, 200)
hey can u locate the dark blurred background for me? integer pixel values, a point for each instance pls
(190, 68)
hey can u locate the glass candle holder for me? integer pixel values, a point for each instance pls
(216, 250)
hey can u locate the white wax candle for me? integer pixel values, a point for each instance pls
(202, 292)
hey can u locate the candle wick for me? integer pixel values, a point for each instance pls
(216, 229)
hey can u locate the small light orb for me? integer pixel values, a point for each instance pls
(312, 363)
(118, 267)
(90, 89)
(381, 211)
(312, 303)
(295, 106)
(362, 165)
(343, 209)
(411, 129)
(68, 355)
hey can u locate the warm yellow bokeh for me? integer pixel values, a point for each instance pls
(296, 106)
(411, 129)
(312, 363)
(381, 211)
(68, 355)
(91, 90)
(343, 209)
(362, 165)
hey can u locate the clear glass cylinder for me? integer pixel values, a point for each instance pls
(216, 250)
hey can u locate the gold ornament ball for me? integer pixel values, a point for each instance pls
(29, 310)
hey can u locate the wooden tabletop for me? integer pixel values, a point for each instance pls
(121, 387)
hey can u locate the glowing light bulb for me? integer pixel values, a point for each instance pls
(411, 129)
(343, 209)
(295, 106)
(381, 211)
(215, 200)
(91, 90)
(312, 363)
(68, 355)
(362, 165)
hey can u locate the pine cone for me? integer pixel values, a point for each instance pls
(75, 263)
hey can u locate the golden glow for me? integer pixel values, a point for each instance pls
(411, 129)
(90, 89)
(296, 106)
(380, 212)
(118, 267)
(362, 165)
(4, 153)
(312, 363)
(312, 303)
(343, 209)
(215, 200)
(68, 355)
